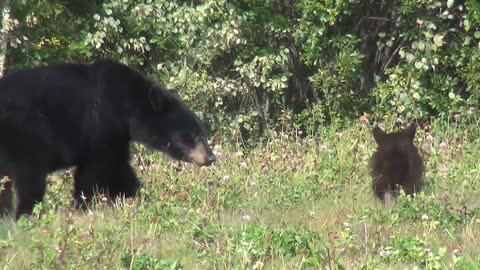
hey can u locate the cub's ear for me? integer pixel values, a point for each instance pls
(410, 131)
(160, 99)
(378, 134)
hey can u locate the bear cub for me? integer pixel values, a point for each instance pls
(396, 163)
(85, 116)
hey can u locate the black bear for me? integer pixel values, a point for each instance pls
(396, 163)
(85, 115)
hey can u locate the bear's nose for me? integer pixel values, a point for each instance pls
(210, 159)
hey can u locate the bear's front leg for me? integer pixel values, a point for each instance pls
(109, 174)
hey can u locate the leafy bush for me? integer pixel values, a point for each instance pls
(249, 66)
(436, 46)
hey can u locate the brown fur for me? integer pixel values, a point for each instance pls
(396, 163)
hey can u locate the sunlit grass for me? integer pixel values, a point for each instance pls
(288, 203)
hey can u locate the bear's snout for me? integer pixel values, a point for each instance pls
(211, 158)
(202, 155)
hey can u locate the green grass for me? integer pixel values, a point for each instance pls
(289, 203)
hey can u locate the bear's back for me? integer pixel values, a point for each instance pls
(63, 107)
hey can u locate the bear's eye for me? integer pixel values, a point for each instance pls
(193, 138)
(185, 137)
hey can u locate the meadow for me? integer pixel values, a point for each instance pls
(292, 201)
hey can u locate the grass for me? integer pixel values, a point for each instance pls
(289, 203)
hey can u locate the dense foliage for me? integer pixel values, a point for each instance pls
(250, 65)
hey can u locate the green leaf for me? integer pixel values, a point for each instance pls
(438, 40)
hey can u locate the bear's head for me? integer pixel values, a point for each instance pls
(168, 125)
(392, 145)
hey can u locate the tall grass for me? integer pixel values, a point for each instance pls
(291, 202)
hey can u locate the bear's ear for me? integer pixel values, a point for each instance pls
(410, 131)
(378, 134)
(175, 94)
(160, 100)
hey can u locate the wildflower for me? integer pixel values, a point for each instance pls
(216, 150)
(56, 248)
(130, 201)
(443, 145)
(424, 217)
(456, 117)
(384, 253)
(444, 198)
(217, 147)
(365, 118)
(429, 137)
(456, 251)
(246, 218)
(182, 196)
(86, 234)
(166, 196)
(243, 164)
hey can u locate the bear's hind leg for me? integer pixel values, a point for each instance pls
(30, 188)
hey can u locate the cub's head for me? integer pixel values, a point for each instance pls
(168, 125)
(395, 143)
(396, 153)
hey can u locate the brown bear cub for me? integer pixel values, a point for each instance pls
(396, 163)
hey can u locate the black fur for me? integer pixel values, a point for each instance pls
(396, 163)
(80, 115)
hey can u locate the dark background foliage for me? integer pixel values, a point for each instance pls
(249, 66)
